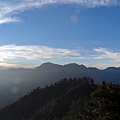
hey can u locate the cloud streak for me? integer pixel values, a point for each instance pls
(30, 55)
(107, 54)
(9, 9)
(32, 52)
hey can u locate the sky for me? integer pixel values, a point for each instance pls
(86, 32)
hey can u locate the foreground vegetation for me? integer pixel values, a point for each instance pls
(68, 99)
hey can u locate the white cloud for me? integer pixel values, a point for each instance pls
(10, 8)
(32, 55)
(107, 54)
(8, 19)
(32, 52)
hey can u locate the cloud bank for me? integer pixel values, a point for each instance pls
(9, 9)
(32, 52)
(31, 55)
(103, 53)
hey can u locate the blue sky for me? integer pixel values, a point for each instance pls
(60, 31)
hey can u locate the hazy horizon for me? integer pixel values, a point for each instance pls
(35, 66)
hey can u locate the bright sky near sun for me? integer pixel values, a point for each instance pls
(60, 31)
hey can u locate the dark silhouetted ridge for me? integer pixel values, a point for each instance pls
(48, 65)
(67, 99)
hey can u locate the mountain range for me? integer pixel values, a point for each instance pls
(15, 83)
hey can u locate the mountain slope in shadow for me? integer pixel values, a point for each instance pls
(17, 82)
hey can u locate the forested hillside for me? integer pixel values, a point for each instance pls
(68, 99)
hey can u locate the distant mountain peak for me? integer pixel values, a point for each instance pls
(51, 65)
(111, 68)
(75, 66)
(71, 64)
(47, 65)
(82, 65)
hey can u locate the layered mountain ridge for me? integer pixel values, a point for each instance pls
(15, 83)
